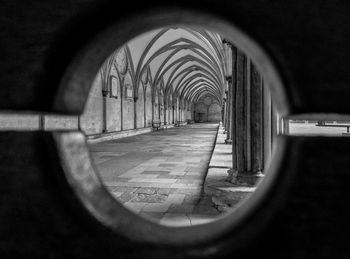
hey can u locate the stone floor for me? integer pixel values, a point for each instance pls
(225, 195)
(310, 128)
(160, 175)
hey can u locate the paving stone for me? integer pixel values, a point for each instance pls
(135, 206)
(191, 199)
(165, 191)
(180, 208)
(184, 186)
(125, 197)
(149, 198)
(167, 165)
(205, 210)
(153, 180)
(176, 198)
(177, 173)
(189, 181)
(155, 172)
(145, 190)
(170, 176)
(156, 207)
(186, 191)
(154, 216)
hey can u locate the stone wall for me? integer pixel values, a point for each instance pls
(207, 109)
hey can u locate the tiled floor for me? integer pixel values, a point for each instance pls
(310, 128)
(160, 174)
(225, 195)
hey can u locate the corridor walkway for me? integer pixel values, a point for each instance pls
(160, 175)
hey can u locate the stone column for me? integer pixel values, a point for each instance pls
(223, 108)
(247, 116)
(240, 112)
(79, 122)
(233, 98)
(159, 107)
(267, 122)
(104, 111)
(275, 123)
(247, 148)
(152, 101)
(144, 107)
(121, 109)
(228, 139)
(135, 111)
(165, 112)
(225, 111)
(173, 111)
(256, 121)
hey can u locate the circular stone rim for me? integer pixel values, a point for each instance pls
(83, 177)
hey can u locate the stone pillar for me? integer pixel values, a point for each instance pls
(247, 148)
(267, 122)
(173, 111)
(223, 108)
(159, 106)
(165, 111)
(152, 101)
(225, 111)
(232, 101)
(240, 112)
(104, 111)
(228, 139)
(121, 109)
(144, 107)
(256, 121)
(275, 123)
(79, 122)
(135, 112)
(247, 114)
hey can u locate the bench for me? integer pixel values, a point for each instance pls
(323, 124)
(166, 125)
(157, 124)
(180, 123)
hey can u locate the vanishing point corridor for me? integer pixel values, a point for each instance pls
(161, 174)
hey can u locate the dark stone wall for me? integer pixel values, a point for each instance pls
(309, 43)
(305, 216)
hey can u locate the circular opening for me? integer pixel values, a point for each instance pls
(80, 172)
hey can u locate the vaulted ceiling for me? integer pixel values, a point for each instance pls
(186, 62)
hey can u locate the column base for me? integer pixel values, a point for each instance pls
(228, 141)
(244, 178)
